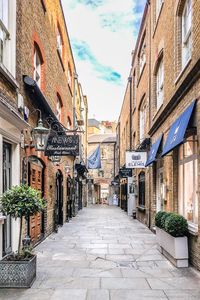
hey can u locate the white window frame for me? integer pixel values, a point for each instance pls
(59, 42)
(160, 85)
(8, 36)
(159, 4)
(142, 56)
(186, 32)
(182, 204)
(58, 109)
(142, 120)
(37, 67)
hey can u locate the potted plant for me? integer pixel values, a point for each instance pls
(171, 232)
(19, 269)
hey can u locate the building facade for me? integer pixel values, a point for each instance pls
(170, 180)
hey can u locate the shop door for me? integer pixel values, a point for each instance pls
(35, 222)
(160, 190)
(7, 148)
(59, 198)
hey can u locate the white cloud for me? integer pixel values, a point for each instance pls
(108, 28)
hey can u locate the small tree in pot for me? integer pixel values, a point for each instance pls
(19, 202)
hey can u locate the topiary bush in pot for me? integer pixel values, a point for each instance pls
(21, 201)
(176, 225)
(158, 218)
(163, 219)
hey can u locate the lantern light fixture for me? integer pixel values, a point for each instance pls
(40, 134)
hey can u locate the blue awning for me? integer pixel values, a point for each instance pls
(153, 152)
(178, 129)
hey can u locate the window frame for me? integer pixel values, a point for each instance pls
(186, 37)
(59, 42)
(59, 107)
(182, 161)
(37, 66)
(142, 55)
(142, 120)
(141, 189)
(159, 93)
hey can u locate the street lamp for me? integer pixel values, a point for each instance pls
(40, 134)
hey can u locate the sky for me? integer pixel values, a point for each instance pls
(102, 35)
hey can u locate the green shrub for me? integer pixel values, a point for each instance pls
(176, 225)
(21, 201)
(163, 218)
(158, 217)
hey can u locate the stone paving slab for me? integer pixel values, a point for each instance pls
(103, 254)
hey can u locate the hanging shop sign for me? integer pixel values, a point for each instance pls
(62, 145)
(125, 172)
(136, 160)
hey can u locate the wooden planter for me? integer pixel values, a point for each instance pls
(174, 248)
(17, 274)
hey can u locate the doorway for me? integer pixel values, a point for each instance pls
(160, 190)
(36, 180)
(59, 199)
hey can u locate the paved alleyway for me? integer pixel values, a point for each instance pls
(104, 255)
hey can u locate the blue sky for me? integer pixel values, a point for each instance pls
(103, 34)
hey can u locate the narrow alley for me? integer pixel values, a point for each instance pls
(104, 254)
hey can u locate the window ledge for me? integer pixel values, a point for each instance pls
(193, 228)
(4, 71)
(157, 112)
(183, 70)
(158, 17)
(141, 208)
(60, 58)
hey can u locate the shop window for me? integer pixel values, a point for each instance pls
(142, 189)
(37, 76)
(159, 84)
(188, 180)
(186, 32)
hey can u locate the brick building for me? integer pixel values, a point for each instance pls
(171, 90)
(11, 122)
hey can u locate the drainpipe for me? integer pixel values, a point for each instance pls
(130, 108)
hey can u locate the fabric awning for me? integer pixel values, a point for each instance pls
(153, 152)
(178, 129)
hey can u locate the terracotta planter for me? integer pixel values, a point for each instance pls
(17, 274)
(174, 248)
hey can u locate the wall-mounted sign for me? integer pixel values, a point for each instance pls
(136, 160)
(125, 172)
(62, 145)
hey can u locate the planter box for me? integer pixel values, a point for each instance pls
(17, 274)
(174, 248)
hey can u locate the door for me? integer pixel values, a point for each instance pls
(59, 198)
(7, 169)
(36, 181)
(160, 190)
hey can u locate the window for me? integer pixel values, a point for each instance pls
(69, 76)
(59, 109)
(142, 56)
(159, 84)
(188, 180)
(142, 189)
(186, 32)
(59, 43)
(134, 90)
(37, 66)
(4, 24)
(142, 120)
(158, 7)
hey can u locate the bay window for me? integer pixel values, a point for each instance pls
(188, 180)
(186, 32)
